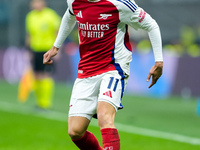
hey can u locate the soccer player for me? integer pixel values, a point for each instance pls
(42, 24)
(103, 69)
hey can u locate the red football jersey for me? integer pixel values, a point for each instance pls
(99, 33)
(104, 40)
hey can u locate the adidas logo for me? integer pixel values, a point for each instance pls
(108, 93)
(79, 14)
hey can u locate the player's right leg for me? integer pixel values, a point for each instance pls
(77, 126)
(81, 109)
(77, 130)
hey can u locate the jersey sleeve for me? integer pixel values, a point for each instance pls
(69, 3)
(67, 24)
(137, 18)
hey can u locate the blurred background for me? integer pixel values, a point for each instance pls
(171, 105)
(180, 29)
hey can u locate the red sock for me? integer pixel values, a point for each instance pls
(111, 139)
(88, 142)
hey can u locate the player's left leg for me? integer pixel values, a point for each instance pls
(106, 115)
(109, 101)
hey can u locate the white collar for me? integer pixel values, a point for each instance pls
(94, 0)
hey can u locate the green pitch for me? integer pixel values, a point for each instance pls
(144, 123)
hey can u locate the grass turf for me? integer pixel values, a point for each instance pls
(27, 131)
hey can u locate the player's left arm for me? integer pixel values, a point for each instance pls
(139, 19)
(155, 72)
(146, 22)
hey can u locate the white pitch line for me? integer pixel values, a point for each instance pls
(158, 134)
(59, 116)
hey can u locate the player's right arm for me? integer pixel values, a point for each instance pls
(67, 24)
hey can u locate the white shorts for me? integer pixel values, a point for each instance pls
(108, 87)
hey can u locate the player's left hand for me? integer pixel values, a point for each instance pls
(155, 72)
(49, 54)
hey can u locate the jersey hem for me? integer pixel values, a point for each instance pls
(94, 74)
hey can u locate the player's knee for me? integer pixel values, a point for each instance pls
(75, 134)
(77, 126)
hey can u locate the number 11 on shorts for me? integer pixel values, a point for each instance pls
(111, 82)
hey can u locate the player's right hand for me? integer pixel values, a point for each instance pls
(49, 54)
